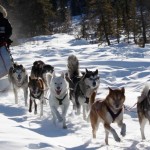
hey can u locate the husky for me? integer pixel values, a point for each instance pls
(19, 78)
(83, 86)
(108, 111)
(36, 87)
(59, 98)
(42, 70)
(143, 109)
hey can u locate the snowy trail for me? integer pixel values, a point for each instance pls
(120, 65)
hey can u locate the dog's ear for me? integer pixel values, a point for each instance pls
(110, 90)
(21, 66)
(96, 72)
(62, 75)
(123, 90)
(86, 70)
(15, 64)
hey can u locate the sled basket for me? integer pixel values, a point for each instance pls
(5, 60)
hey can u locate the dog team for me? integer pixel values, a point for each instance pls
(80, 88)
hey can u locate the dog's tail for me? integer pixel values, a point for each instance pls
(144, 93)
(73, 66)
(48, 78)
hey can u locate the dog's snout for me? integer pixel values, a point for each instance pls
(94, 83)
(19, 76)
(58, 88)
(117, 105)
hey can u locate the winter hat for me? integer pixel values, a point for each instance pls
(3, 11)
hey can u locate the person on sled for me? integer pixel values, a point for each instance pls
(5, 27)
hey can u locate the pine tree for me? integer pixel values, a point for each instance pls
(31, 18)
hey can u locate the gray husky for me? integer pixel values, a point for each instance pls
(19, 79)
(143, 109)
(83, 86)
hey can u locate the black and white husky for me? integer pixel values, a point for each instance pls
(84, 86)
(59, 98)
(143, 109)
(19, 78)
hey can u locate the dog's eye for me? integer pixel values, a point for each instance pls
(61, 83)
(55, 83)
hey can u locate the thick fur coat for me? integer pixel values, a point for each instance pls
(19, 78)
(108, 111)
(59, 98)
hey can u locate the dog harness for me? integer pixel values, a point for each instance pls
(61, 100)
(113, 115)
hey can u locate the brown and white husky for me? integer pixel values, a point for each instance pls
(109, 110)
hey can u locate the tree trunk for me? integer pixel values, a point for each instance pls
(143, 24)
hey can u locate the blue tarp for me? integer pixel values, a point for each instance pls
(5, 61)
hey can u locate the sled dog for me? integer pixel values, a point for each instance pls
(42, 70)
(108, 111)
(143, 109)
(19, 78)
(59, 98)
(83, 86)
(36, 87)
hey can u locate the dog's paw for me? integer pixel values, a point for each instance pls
(123, 133)
(117, 139)
(30, 110)
(123, 130)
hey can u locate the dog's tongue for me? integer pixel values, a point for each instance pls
(58, 92)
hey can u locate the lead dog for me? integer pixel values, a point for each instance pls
(36, 87)
(108, 111)
(83, 86)
(59, 98)
(19, 78)
(143, 109)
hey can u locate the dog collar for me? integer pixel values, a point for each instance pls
(60, 100)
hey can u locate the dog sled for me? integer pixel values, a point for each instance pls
(6, 62)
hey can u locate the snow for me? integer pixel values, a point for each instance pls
(119, 65)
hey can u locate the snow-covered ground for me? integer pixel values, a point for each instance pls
(119, 65)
